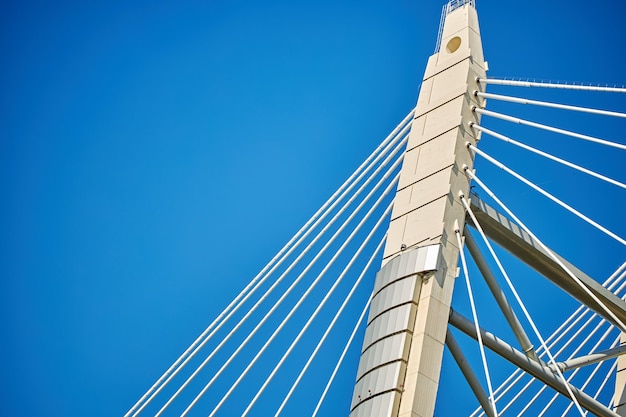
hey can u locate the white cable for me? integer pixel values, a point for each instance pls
(518, 374)
(519, 393)
(610, 283)
(550, 128)
(622, 287)
(277, 260)
(545, 248)
(512, 287)
(284, 274)
(341, 358)
(519, 100)
(319, 307)
(596, 369)
(476, 325)
(330, 326)
(548, 251)
(606, 283)
(547, 194)
(593, 373)
(572, 338)
(326, 267)
(552, 346)
(569, 341)
(617, 272)
(604, 382)
(547, 155)
(521, 83)
(606, 379)
(575, 372)
(507, 385)
(553, 339)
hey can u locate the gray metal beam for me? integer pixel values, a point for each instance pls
(469, 374)
(498, 294)
(590, 359)
(517, 358)
(511, 237)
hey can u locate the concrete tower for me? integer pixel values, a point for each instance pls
(401, 358)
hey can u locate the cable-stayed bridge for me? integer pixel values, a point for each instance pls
(332, 260)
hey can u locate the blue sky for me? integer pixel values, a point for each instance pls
(154, 155)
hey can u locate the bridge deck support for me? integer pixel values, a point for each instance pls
(401, 360)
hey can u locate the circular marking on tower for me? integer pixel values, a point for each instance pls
(453, 44)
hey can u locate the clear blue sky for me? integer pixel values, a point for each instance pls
(145, 145)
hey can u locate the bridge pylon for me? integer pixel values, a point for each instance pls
(399, 368)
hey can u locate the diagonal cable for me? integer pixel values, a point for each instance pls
(549, 128)
(331, 325)
(562, 86)
(519, 100)
(571, 339)
(575, 372)
(346, 242)
(321, 305)
(475, 317)
(389, 171)
(617, 277)
(382, 149)
(547, 194)
(546, 155)
(342, 357)
(547, 250)
(516, 295)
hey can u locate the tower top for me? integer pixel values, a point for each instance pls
(448, 8)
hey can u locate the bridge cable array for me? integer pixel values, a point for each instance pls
(566, 340)
(563, 338)
(342, 231)
(327, 266)
(514, 291)
(547, 155)
(550, 128)
(547, 194)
